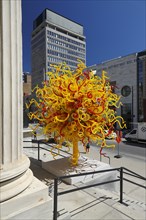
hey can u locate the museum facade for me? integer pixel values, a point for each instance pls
(128, 78)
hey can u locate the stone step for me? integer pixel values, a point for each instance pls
(130, 207)
(105, 205)
(118, 209)
(129, 201)
(38, 211)
(35, 196)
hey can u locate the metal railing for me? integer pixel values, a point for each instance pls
(58, 179)
(39, 142)
(39, 147)
(120, 178)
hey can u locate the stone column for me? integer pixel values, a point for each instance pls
(15, 175)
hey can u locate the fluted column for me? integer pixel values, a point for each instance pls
(15, 175)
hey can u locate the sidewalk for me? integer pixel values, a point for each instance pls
(98, 203)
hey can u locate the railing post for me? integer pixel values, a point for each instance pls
(38, 150)
(100, 158)
(109, 159)
(121, 185)
(55, 199)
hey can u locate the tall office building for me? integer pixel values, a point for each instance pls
(26, 84)
(26, 97)
(55, 39)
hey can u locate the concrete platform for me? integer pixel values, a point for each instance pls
(27, 132)
(63, 166)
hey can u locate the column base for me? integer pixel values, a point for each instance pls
(15, 178)
(13, 187)
(32, 203)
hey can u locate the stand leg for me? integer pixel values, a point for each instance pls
(118, 155)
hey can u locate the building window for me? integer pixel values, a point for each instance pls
(125, 91)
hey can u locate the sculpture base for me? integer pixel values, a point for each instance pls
(61, 167)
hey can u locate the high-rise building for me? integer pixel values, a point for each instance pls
(26, 97)
(127, 76)
(26, 84)
(55, 39)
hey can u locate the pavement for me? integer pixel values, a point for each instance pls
(97, 202)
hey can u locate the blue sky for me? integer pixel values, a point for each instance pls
(112, 28)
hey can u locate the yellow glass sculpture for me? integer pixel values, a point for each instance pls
(76, 106)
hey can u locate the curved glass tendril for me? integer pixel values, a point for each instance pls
(76, 106)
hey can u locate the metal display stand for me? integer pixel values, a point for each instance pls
(118, 139)
(118, 155)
